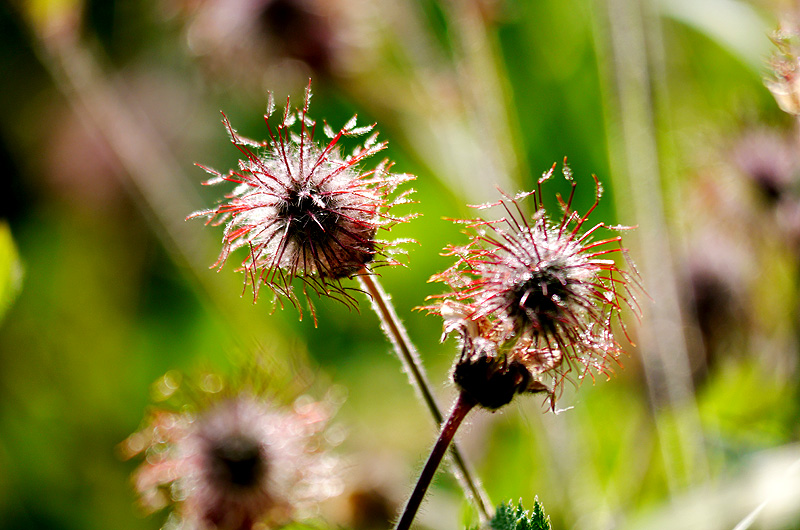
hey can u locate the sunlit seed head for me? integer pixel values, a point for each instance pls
(542, 293)
(541, 281)
(303, 209)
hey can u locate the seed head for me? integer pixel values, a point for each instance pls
(769, 160)
(492, 368)
(237, 462)
(538, 293)
(303, 209)
(784, 65)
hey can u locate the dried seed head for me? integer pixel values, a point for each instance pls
(537, 293)
(303, 209)
(238, 462)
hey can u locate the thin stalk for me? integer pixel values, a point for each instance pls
(412, 364)
(460, 410)
(628, 31)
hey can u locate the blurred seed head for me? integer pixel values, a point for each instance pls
(717, 272)
(252, 44)
(769, 160)
(534, 294)
(296, 29)
(371, 509)
(304, 209)
(783, 80)
(374, 491)
(235, 461)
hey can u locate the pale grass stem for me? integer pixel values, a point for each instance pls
(408, 355)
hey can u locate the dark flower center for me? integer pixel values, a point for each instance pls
(337, 244)
(540, 299)
(308, 214)
(238, 461)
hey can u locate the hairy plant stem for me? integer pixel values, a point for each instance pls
(405, 350)
(462, 406)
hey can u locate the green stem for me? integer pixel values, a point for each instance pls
(412, 364)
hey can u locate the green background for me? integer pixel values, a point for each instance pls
(105, 287)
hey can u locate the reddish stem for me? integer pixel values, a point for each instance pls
(462, 406)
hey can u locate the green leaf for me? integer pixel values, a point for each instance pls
(510, 517)
(10, 269)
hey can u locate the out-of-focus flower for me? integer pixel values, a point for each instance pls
(717, 272)
(303, 209)
(534, 299)
(482, 371)
(374, 490)
(784, 82)
(252, 44)
(769, 160)
(235, 463)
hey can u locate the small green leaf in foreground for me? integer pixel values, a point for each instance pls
(510, 517)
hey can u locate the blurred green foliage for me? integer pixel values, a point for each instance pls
(470, 94)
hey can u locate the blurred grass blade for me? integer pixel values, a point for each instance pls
(765, 493)
(734, 25)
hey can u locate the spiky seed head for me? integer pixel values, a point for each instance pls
(304, 209)
(543, 293)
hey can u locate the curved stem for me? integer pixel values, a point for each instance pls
(462, 406)
(405, 350)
